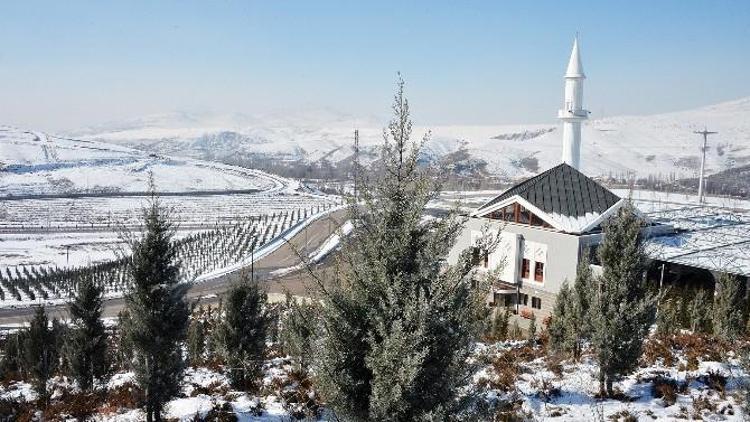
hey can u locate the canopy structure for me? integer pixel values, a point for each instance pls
(708, 237)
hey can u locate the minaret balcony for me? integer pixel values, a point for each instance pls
(573, 114)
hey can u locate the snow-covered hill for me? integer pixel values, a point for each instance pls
(645, 145)
(35, 163)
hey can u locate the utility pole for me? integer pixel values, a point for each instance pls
(356, 162)
(701, 183)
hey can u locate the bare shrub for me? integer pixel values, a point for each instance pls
(715, 381)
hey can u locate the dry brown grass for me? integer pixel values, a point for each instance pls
(667, 389)
(125, 396)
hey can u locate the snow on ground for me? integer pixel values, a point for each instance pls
(568, 391)
(33, 163)
(539, 387)
(64, 249)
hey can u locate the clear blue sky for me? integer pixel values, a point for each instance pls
(65, 64)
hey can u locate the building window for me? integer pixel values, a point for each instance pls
(475, 256)
(536, 303)
(486, 260)
(525, 268)
(539, 272)
(523, 299)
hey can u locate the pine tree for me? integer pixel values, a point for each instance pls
(700, 311)
(397, 328)
(500, 325)
(86, 344)
(12, 354)
(570, 324)
(532, 330)
(729, 305)
(158, 311)
(40, 353)
(123, 345)
(622, 308)
(579, 320)
(243, 332)
(667, 317)
(559, 323)
(196, 341)
(298, 326)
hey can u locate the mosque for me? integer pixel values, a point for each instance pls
(550, 222)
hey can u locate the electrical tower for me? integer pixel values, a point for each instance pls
(701, 183)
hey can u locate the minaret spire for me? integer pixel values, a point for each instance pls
(573, 113)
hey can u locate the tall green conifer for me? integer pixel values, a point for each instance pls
(158, 311)
(398, 326)
(622, 308)
(86, 343)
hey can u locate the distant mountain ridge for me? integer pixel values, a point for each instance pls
(660, 144)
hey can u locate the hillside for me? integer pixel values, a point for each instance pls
(35, 163)
(661, 144)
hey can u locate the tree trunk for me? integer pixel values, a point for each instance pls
(148, 412)
(610, 390)
(602, 391)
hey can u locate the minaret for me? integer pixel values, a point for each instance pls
(572, 113)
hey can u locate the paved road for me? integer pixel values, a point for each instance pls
(305, 242)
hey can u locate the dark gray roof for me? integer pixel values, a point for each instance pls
(562, 190)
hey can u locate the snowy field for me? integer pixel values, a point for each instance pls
(34, 163)
(70, 232)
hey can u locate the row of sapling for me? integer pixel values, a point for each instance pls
(198, 253)
(152, 328)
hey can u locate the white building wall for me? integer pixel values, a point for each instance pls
(558, 251)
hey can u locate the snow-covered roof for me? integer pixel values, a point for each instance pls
(565, 198)
(575, 67)
(708, 237)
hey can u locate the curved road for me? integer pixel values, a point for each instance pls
(305, 242)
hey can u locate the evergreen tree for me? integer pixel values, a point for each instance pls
(579, 321)
(729, 305)
(243, 332)
(299, 324)
(212, 326)
(700, 311)
(86, 344)
(123, 345)
(397, 326)
(158, 311)
(667, 317)
(12, 360)
(40, 353)
(196, 341)
(570, 323)
(559, 323)
(532, 330)
(500, 324)
(622, 308)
